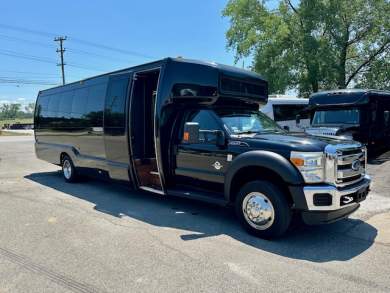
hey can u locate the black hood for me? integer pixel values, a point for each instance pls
(283, 144)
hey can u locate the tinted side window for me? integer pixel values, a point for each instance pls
(54, 104)
(66, 101)
(64, 109)
(79, 106)
(79, 103)
(43, 102)
(207, 124)
(289, 112)
(96, 98)
(41, 111)
(116, 102)
(95, 105)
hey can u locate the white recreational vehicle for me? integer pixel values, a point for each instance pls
(284, 109)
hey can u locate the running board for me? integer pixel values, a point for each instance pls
(150, 189)
(198, 196)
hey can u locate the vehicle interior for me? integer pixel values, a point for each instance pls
(142, 129)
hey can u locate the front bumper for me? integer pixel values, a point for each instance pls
(326, 217)
(340, 197)
(338, 203)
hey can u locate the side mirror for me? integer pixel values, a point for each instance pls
(220, 138)
(191, 132)
(298, 119)
(285, 127)
(386, 116)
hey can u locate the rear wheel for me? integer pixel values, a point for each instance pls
(262, 209)
(68, 169)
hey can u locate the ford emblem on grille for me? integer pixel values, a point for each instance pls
(356, 165)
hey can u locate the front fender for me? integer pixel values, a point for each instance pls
(264, 159)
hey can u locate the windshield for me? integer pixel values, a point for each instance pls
(347, 116)
(247, 122)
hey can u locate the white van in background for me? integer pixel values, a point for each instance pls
(283, 109)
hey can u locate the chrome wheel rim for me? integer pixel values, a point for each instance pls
(67, 169)
(258, 210)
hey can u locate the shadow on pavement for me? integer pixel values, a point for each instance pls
(199, 220)
(379, 157)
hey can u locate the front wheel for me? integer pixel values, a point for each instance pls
(263, 209)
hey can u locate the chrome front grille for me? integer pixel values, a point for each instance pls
(351, 165)
(345, 163)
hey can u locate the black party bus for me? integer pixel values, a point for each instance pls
(193, 129)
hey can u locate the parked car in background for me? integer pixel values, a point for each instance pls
(359, 114)
(283, 109)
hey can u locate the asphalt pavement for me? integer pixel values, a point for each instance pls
(96, 236)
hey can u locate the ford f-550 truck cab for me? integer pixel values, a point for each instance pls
(193, 129)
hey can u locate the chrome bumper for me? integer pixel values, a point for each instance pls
(336, 194)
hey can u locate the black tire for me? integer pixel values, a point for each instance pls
(277, 224)
(68, 169)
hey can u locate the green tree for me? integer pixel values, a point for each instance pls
(29, 108)
(313, 44)
(10, 111)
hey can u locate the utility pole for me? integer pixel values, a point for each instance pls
(61, 50)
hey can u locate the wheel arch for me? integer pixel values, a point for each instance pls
(260, 165)
(62, 155)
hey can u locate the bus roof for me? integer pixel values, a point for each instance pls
(345, 97)
(231, 70)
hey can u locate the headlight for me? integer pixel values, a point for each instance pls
(311, 165)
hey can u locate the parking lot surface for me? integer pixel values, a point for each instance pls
(101, 237)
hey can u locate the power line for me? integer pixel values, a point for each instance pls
(118, 50)
(17, 39)
(61, 50)
(26, 56)
(22, 77)
(76, 51)
(81, 41)
(45, 60)
(30, 73)
(91, 54)
(21, 29)
(25, 81)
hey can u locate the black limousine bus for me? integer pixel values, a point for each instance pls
(193, 129)
(361, 115)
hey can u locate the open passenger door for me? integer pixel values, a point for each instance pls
(142, 129)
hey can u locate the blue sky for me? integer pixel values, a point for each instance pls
(145, 30)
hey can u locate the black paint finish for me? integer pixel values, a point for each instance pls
(372, 104)
(90, 120)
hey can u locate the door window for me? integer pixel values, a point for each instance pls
(207, 124)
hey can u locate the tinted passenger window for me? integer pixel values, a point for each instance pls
(43, 101)
(289, 112)
(66, 101)
(79, 103)
(95, 106)
(96, 97)
(54, 104)
(79, 106)
(116, 103)
(207, 123)
(41, 110)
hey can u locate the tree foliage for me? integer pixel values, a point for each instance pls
(13, 111)
(313, 44)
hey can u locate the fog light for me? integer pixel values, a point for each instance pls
(322, 199)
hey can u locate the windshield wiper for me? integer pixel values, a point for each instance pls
(246, 132)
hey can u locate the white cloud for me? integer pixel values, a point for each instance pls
(21, 99)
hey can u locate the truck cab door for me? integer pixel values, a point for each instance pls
(201, 165)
